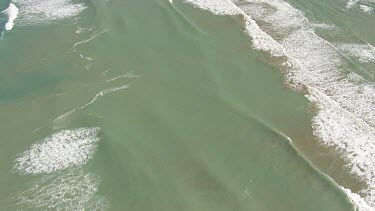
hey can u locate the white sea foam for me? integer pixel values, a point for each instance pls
(362, 52)
(323, 26)
(360, 204)
(346, 102)
(366, 8)
(278, 14)
(218, 7)
(42, 11)
(59, 151)
(351, 3)
(67, 190)
(12, 12)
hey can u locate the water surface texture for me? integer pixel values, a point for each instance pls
(187, 105)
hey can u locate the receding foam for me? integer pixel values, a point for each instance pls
(68, 190)
(12, 12)
(67, 148)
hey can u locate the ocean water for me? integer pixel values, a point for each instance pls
(187, 104)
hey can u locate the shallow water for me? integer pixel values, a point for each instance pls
(189, 116)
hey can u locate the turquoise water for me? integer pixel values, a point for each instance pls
(179, 108)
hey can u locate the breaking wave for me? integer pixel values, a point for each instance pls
(346, 116)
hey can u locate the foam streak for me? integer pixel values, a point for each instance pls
(91, 38)
(99, 94)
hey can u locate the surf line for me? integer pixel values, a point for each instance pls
(99, 94)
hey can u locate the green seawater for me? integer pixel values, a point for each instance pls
(202, 124)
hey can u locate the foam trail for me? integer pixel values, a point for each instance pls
(87, 67)
(12, 12)
(127, 75)
(86, 58)
(106, 71)
(170, 1)
(68, 190)
(99, 94)
(346, 102)
(91, 38)
(59, 151)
